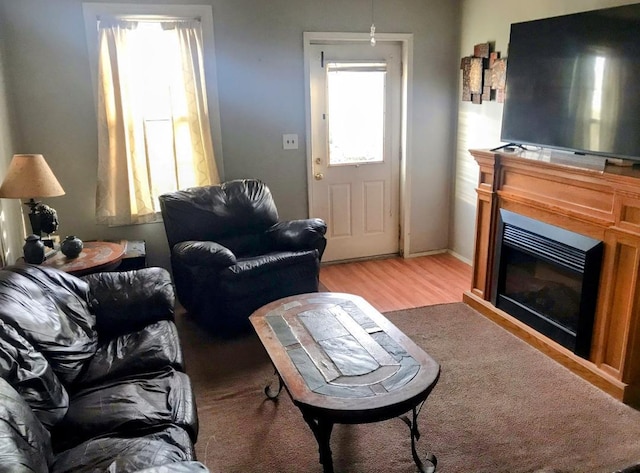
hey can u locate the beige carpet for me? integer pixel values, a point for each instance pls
(499, 406)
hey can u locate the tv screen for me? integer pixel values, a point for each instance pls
(573, 83)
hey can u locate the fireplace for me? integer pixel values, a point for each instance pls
(547, 277)
(601, 204)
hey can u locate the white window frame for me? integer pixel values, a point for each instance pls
(94, 11)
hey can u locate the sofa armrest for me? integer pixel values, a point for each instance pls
(177, 467)
(304, 234)
(203, 253)
(127, 301)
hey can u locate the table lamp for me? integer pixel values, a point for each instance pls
(30, 177)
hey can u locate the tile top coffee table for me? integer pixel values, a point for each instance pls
(342, 362)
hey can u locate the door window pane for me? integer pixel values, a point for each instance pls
(355, 96)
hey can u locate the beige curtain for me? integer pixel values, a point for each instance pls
(131, 91)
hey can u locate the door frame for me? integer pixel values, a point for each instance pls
(406, 43)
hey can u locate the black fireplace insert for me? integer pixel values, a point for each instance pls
(547, 277)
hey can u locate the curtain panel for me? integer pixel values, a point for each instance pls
(148, 79)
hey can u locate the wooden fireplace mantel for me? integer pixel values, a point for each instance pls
(602, 204)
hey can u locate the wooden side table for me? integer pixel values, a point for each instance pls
(135, 255)
(96, 256)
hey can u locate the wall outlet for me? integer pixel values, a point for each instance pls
(289, 141)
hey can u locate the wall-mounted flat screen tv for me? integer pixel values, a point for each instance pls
(573, 83)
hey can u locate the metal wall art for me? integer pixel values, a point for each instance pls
(483, 75)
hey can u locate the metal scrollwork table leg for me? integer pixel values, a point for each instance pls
(269, 392)
(415, 435)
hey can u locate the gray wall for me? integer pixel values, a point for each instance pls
(259, 59)
(11, 229)
(479, 125)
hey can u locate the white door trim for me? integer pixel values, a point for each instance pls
(406, 41)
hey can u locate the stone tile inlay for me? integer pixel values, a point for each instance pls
(351, 357)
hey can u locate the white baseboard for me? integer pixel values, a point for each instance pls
(460, 257)
(426, 253)
(439, 252)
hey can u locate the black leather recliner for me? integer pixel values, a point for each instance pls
(230, 254)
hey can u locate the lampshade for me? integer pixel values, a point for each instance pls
(29, 176)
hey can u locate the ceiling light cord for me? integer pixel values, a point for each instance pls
(372, 35)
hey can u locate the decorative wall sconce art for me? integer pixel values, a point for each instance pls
(483, 75)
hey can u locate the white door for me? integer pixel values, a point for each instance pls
(355, 110)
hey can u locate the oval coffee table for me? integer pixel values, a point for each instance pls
(342, 362)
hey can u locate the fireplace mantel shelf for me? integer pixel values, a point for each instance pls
(602, 202)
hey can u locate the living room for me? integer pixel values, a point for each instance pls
(47, 106)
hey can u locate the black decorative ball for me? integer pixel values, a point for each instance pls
(71, 246)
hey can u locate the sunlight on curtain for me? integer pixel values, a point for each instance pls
(153, 125)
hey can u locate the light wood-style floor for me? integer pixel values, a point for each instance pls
(398, 283)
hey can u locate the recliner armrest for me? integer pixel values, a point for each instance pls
(303, 234)
(203, 253)
(127, 301)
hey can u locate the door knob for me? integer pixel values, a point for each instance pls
(318, 176)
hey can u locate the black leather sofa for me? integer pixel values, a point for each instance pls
(230, 253)
(92, 374)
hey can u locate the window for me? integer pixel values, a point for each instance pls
(154, 128)
(355, 95)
